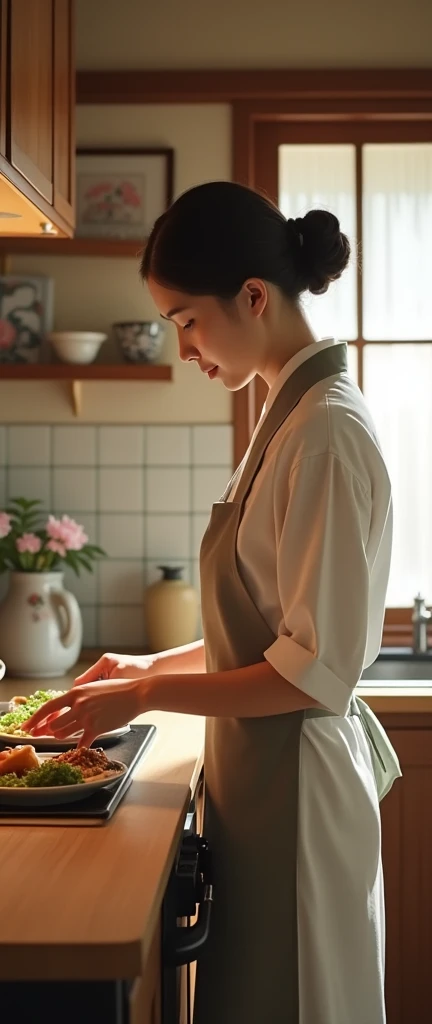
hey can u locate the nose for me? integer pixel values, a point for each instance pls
(187, 352)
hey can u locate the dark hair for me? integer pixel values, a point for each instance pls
(218, 234)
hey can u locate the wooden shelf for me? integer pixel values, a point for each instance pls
(91, 371)
(48, 246)
(77, 374)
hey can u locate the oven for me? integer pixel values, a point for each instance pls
(186, 921)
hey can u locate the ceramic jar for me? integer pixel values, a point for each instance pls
(171, 611)
(40, 626)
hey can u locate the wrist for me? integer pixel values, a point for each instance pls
(146, 693)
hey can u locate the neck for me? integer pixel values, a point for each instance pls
(287, 333)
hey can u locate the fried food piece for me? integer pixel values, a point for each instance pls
(19, 761)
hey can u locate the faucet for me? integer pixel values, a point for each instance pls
(420, 619)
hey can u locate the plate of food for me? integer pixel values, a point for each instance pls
(21, 708)
(27, 779)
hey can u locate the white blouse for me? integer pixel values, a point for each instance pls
(314, 543)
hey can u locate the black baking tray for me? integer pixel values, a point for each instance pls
(101, 804)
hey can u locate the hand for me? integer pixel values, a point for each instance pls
(117, 666)
(94, 708)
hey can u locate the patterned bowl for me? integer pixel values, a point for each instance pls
(140, 341)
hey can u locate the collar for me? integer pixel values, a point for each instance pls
(292, 364)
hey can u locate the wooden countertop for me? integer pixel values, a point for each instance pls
(81, 902)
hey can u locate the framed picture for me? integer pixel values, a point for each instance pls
(26, 315)
(120, 193)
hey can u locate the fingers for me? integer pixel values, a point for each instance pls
(46, 711)
(100, 670)
(88, 737)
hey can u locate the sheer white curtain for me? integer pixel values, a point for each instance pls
(323, 177)
(398, 390)
(397, 306)
(397, 241)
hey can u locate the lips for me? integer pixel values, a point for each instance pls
(212, 373)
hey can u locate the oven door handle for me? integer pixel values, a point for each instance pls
(189, 942)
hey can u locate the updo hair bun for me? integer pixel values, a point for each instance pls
(323, 250)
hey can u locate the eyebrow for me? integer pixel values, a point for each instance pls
(173, 312)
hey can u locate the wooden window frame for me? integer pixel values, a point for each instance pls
(338, 96)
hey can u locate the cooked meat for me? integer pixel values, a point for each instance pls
(92, 761)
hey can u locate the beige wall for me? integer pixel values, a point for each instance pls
(91, 294)
(253, 33)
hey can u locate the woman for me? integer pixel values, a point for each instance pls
(294, 570)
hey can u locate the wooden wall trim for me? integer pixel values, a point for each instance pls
(226, 86)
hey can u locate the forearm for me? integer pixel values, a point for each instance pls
(252, 692)
(189, 658)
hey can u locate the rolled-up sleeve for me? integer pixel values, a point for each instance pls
(322, 522)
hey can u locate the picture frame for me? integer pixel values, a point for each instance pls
(26, 316)
(121, 192)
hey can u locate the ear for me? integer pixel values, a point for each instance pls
(255, 295)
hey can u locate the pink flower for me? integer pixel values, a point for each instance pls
(70, 534)
(130, 194)
(98, 190)
(5, 524)
(28, 542)
(57, 546)
(7, 334)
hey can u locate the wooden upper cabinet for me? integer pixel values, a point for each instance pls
(31, 93)
(64, 111)
(38, 104)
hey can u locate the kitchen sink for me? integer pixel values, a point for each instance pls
(400, 665)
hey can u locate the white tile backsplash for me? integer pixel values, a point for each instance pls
(199, 525)
(141, 492)
(121, 446)
(168, 536)
(74, 446)
(168, 446)
(168, 490)
(31, 483)
(83, 586)
(29, 446)
(121, 490)
(122, 536)
(121, 582)
(2, 446)
(208, 485)
(121, 627)
(89, 619)
(74, 490)
(212, 445)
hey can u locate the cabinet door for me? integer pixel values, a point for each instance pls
(64, 111)
(407, 856)
(145, 1000)
(31, 93)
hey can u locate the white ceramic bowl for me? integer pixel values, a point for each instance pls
(76, 346)
(2, 669)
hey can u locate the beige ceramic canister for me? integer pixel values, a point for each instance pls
(171, 611)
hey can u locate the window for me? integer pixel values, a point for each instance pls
(385, 315)
(376, 175)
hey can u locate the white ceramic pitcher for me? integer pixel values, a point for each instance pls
(40, 626)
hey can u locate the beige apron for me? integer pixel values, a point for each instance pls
(249, 972)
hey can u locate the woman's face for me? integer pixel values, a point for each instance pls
(226, 339)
